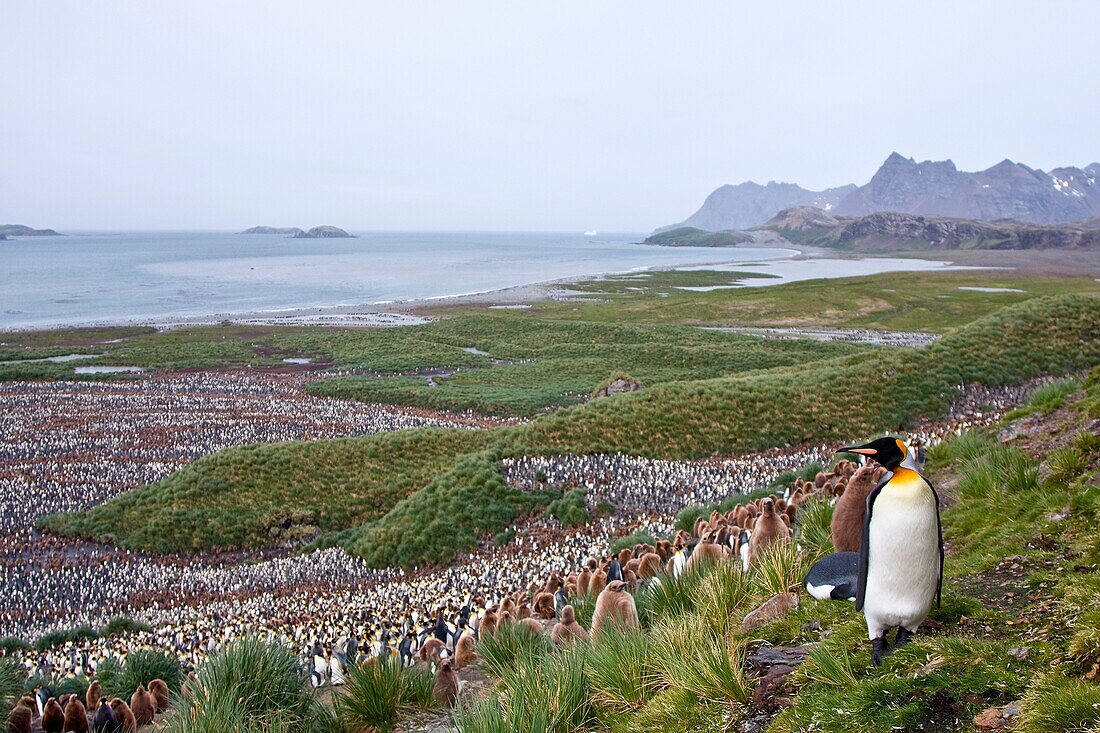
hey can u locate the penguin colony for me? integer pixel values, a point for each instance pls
(212, 602)
(70, 714)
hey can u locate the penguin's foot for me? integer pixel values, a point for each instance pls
(904, 635)
(879, 650)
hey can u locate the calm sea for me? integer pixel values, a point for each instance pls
(95, 277)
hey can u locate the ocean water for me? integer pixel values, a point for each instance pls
(120, 277)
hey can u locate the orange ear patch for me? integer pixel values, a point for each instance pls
(902, 448)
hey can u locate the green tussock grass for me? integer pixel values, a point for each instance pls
(12, 677)
(552, 364)
(249, 686)
(540, 694)
(445, 517)
(378, 691)
(235, 498)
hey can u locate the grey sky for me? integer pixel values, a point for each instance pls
(512, 115)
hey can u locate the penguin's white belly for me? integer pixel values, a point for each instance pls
(903, 559)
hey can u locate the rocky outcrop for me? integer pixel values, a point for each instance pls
(18, 230)
(693, 237)
(899, 231)
(294, 231)
(323, 232)
(1008, 190)
(619, 384)
(749, 204)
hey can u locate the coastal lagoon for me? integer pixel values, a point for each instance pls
(119, 277)
(148, 277)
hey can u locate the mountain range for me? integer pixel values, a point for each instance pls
(1007, 190)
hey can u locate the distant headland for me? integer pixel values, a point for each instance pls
(18, 230)
(322, 232)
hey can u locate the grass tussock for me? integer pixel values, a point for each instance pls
(377, 692)
(250, 686)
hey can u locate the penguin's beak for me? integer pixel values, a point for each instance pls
(865, 450)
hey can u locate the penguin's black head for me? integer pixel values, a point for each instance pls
(889, 452)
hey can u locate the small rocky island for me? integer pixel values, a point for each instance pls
(322, 232)
(293, 231)
(18, 230)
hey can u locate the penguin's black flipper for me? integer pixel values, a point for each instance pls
(865, 543)
(834, 577)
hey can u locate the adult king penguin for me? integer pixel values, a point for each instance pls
(899, 574)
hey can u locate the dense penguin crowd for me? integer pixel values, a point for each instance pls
(328, 605)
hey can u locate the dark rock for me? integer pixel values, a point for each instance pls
(770, 656)
(618, 385)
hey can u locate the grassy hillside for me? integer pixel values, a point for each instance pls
(928, 301)
(235, 498)
(541, 364)
(1018, 622)
(832, 400)
(694, 237)
(270, 494)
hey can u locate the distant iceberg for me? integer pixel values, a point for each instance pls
(591, 233)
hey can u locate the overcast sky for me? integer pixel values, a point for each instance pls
(618, 116)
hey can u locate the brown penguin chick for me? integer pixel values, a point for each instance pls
(76, 717)
(53, 717)
(531, 625)
(445, 691)
(544, 605)
(124, 716)
(707, 553)
(508, 606)
(488, 625)
(820, 479)
(625, 556)
(431, 649)
(187, 689)
(614, 606)
(632, 566)
(19, 719)
(847, 524)
(142, 706)
(158, 689)
(698, 527)
(523, 612)
(64, 700)
(465, 651)
(91, 697)
(568, 629)
(583, 581)
(791, 513)
(599, 580)
(767, 530)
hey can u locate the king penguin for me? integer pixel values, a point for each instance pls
(899, 574)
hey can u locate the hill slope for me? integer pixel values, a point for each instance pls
(898, 231)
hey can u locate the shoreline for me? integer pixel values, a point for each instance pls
(389, 314)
